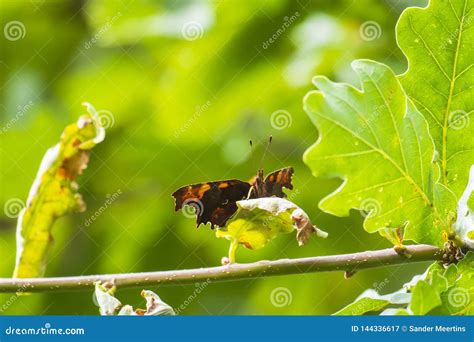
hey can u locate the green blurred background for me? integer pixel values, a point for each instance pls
(185, 85)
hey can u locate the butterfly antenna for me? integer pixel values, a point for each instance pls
(266, 150)
(250, 155)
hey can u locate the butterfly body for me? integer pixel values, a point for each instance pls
(215, 202)
(272, 184)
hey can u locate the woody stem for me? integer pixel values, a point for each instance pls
(343, 262)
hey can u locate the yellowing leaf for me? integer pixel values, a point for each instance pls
(54, 193)
(259, 220)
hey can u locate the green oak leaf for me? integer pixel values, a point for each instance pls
(362, 306)
(451, 274)
(440, 290)
(458, 298)
(464, 226)
(426, 294)
(465, 282)
(54, 193)
(437, 41)
(379, 144)
(395, 312)
(425, 298)
(457, 301)
(259, 220)
(371, 301)
(466, 265)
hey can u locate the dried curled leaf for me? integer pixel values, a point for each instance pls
(105, 300)
(259, 220)
(304, 227)
(54, 193)
(154, 305)
(111, 306)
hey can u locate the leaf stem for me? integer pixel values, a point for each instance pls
(232, 248)
(343, 262)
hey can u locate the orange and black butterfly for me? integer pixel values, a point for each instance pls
(215, 202)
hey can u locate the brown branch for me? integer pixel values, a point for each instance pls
(349, 263)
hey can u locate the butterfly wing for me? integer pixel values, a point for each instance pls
(213, 202)
(275, 182)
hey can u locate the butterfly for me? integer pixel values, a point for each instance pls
(215, 202)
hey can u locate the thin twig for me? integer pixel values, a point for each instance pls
(343, 262)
